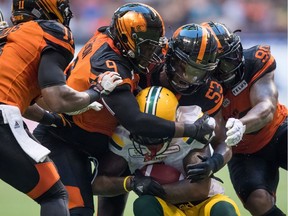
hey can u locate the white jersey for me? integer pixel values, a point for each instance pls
(122, 145)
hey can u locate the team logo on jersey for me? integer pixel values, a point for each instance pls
(239, 88)
(226, 102)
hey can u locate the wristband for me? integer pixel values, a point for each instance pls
(190, 130)
(47, 119)
(125, 183)
(217, 161)
(93, 94)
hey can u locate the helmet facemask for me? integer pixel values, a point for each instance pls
(230, 68)
(150, 146)
(230, 54)
(185, 74)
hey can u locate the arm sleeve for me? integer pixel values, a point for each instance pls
(51, 69)
(125, 108)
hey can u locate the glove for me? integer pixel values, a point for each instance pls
(145, 185)
(204, 169)
(203, 129)
(94, 105)
(107, 82)
(235, 132)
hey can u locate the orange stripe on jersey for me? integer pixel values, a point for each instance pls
(48, 176)
(203, 46)
(60, 42)
(214, 109)
(75, 197)
(259, 73)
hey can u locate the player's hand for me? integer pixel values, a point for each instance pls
(235, 131)
(60, 121)
(204, 129)
(94, 105)
(204, 169)
(107, 82)
(145, 185)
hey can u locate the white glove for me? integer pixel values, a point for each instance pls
(108, 81)
(235, 132)
(94, 105)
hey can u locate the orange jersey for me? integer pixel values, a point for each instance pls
(258, 62)
(97, 56)
(20, 58)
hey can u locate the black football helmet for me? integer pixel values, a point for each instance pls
(138, 31)
(191, 58)
(26, 10)
(230, 53)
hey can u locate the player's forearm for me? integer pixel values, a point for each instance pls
(62, 99)
(108, 186)
(259, 116)
(184, 191)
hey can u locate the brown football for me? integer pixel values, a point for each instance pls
(162, 173)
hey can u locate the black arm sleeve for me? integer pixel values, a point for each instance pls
(126, 109)
(51, 67)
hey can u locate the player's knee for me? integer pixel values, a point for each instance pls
(57, 191)
(147, 205)
(259, 201)
(223, 208)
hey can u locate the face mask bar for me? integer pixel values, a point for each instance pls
(139, 142)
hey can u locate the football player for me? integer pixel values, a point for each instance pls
(179, 197)
(252, 110)
(190, 61)
(127, 46)
(33, 54)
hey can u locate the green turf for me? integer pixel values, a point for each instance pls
(13, 203)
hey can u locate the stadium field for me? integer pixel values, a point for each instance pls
(13, 203)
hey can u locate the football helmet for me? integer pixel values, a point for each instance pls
(138, 30)
(230, 53)
(191, 58)
(26, 10)
(162, 103)
(3, 23)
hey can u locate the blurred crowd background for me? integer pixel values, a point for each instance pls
(260, 21)
(264, 17)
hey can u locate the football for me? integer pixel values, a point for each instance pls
(162, 173)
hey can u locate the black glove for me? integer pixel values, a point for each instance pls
(202, 130)
(204, 169)
(55, 120)
(145, 185)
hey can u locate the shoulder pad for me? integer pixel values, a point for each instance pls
(105, 59)
(209, 97)
(57, 30)
(258, 61)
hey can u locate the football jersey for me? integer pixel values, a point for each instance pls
(122, 145)
(21, 49)
(258, 62)
(99, 55)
